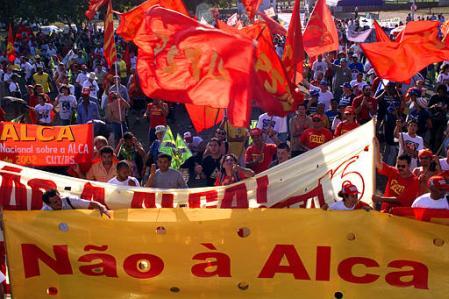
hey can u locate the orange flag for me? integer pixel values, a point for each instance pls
(110, 53)
(181, 60)
(381, 36)
(321, 34)
(94, 6)
(251, 7)
(293, 57)
(131, 20)
(274, 26)
(10, 51)
(400, 61)
(204, 117)
(445, 31)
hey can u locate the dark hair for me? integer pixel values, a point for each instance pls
(122, 164)
(223, 159)
(64, 87)
(106, 150)
(128, 136)
(41, 95)
(49, 193)
(441, 87)
(284, 145)
(164, 156)
(405, 157)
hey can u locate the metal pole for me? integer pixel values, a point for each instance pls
(120, 97)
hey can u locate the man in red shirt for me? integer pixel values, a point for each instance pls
(348, 124)
(365, 106)
(157, 112)
(259, 155)
(402, 187)
(316, 135)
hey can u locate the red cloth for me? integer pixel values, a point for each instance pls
(251, 7)
(315, 137)
(131, 20)
(94, 6)
(267, 152)
(204, 117)
(406, 190)
(293, 58)
(344, 127)
(274, 26)
(381, 36)
(156, 115)
(364, 114)
(445, 31)
(321, 34)
(110, 53)
(400, 61)
(10, 51)
(181, 60)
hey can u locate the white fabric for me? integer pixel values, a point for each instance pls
(424, 201)
(76, 203)
(115, 181)
(66, 105)
(444, 165)
(339, 206)
(44, 112)
(81, 78)
(325, 98)
(93, 86)
(413, 144)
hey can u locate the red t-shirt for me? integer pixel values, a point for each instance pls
(315, 137)
(267, 153)
(156, 115)
(406, 190)
(364, 115)
(344, 127)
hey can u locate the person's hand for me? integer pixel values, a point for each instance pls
(236, 168)
(325, 207)
(153, 169)
(104, 211)
(132, 183)
(399, 123)
(198, 169)
(121, 141)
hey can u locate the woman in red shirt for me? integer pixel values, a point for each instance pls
(348, 124)
(231, 172)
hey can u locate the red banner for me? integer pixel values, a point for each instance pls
(35, 145)
(94, 6)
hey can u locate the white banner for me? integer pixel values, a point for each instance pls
(306, 181)
(358, 36)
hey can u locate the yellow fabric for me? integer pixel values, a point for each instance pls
(42, 80)
(190, 237)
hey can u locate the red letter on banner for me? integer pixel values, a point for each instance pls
(295, 265)
(345, 270)
(143, 200)
(419, 275)
(95, 193)
(238, 192)
(36, 193)
(8, 180)
(195, 198)
(31, 255)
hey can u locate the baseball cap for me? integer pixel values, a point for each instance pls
(323, 82)
(187, 134)
(425, 153)
(349, 189)
(160, 129)
(255, 132)
(346, 85)
(349, 110)
(314, 93)
(438, 182)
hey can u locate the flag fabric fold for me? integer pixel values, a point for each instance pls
(176, 148)
(381, 36)
(321, 34)
(293, 57)
(274, 26)
(400, 61)
(358, 36)
(110, 52)
(204, 117)
(182, 60)
(94, 6)
(10, 51)
(251, 7)
(131, 20)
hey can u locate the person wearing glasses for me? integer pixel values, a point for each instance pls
(316, 135)
(231, 172)
(430, 166)
(402, 186)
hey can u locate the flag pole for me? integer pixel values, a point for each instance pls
(119, 96)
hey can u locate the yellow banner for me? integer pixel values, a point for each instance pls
(222, 253)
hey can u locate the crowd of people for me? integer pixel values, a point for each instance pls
(63, 79)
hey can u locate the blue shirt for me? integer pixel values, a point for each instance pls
(84, 115)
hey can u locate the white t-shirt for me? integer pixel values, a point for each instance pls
(339, 206)
(70, 203)
(115, 181)
(81, 78)
(441, 77)
(93, 86)
(66, 105)
(444, 165)
(44, 112)
(411, 144)
(319, 66)
(325, 98)
(424, 201)
(279, 124)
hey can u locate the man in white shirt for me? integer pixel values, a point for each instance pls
(409, 143)
(436, 199)
(27, 68)
(53, 202)
(319, 66)
(92, 85)
(325, 96)
(123, 177)
(82, 76)
(278, 124)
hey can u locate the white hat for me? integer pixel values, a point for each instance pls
(160, 129)
(187, 134)
(92, 76)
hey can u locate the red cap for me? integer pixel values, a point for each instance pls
(349, 110)
(317, 115)
(255, 132)
(425, 153)
(349, 189)
(438, 182)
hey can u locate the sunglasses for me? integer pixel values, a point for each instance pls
(401, 166)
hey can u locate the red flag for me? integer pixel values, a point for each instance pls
(204, 117)
(131, 20)
(10, 51)
(400, 61)
(110, 53)
(274, 26)
(293, 58)
(127, 58)
(94, 6)
(445, 31)
(251, 7)
(320, 35)
(181, 60)
(273, 92)
(381, 36)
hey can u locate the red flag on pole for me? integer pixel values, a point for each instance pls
(381, 36)
(294, 56)
(204, 117)
(445, 31)
(181, 60)
(321, 34)
(110, 53)
(94, 6)
(274, 26)
(251, 7)
(10, 51)
(131, 20)
(400, 61)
